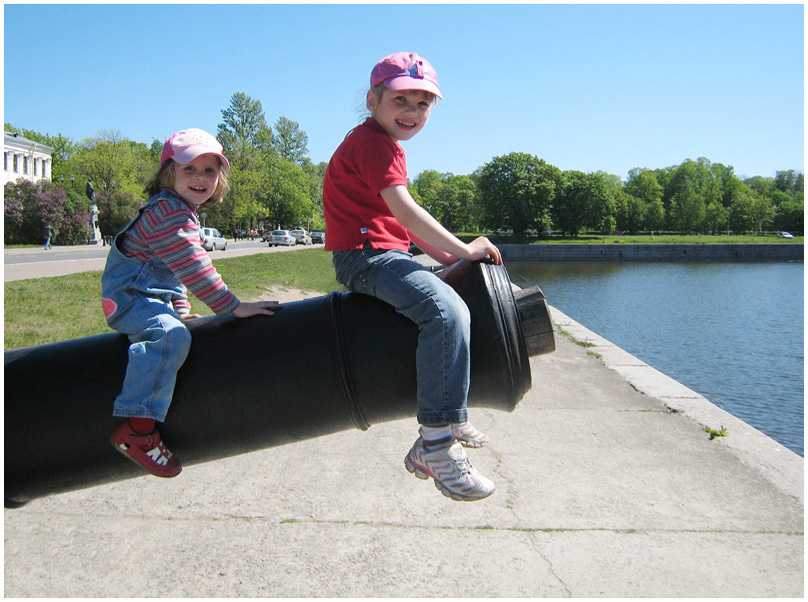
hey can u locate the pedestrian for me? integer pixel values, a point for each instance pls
(152, 261)
(371, 219)
(48, 233)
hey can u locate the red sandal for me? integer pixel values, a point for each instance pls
(148, 451)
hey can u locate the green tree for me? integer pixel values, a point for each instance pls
(115, 209)
(244, 204)
(112, 163)
(686, 208)
(518, 190)
(787, 180)
(633, 219)
(730, 184)
(288, 193)
(715, 217)
(268, 189)
(655, 218)
(316, 172)
(604, 202)
(271, 179)
(156, 150)
(643, 184)
(459, 198)
(426, 190)
(790, 217)
(244, 131)
(290, 141)
(585, 201)
(751, 212)
(647, 209)
(762, 213)
(570, 204)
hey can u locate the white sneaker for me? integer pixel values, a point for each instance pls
(451, 470)
(467, 435)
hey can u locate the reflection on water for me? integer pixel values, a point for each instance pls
(732, 332)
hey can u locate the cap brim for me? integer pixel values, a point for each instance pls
(412, 83)
(192, 153)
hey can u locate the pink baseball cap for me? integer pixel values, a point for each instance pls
(405, 71)
(185, 146)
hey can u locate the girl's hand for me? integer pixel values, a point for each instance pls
(267, 308)
(187, 317)
(482, 247)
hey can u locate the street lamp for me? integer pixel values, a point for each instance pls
(729, 212)
(72, 177)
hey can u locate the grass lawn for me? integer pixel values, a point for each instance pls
(47, 310)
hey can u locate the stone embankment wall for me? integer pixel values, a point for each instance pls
(652, 252)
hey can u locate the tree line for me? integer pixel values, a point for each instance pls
(522, 192)
(274, 183)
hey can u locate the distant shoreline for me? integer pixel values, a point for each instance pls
(652, 252)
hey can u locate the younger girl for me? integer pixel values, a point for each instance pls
(154, 258)
(371, 219)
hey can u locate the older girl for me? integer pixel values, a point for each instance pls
(371, 219)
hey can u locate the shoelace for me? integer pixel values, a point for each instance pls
(464, 466)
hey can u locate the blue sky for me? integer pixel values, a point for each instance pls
(585, 87)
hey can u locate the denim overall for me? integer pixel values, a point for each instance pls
(443, 361)
(136, 299)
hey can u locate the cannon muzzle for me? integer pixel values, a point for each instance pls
(318, 366)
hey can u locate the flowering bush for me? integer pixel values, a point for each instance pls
(29, 208)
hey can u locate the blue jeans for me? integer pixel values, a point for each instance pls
(136, 298)
(443, 358)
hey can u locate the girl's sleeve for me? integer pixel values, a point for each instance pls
(181, 305)
(176, 241)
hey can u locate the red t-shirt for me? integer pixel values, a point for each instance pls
(367, 162)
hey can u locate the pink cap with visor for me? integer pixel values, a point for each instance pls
(185, 146)
(405, 71)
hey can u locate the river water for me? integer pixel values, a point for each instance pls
(732, 332)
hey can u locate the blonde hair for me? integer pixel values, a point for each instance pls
(164, 180)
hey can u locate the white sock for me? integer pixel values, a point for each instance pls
(436, 436)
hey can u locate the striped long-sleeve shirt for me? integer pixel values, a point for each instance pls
(169, 229)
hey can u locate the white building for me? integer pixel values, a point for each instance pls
(25, 159)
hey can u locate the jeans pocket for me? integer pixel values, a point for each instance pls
(345, 267)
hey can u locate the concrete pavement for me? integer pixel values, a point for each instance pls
(608, 486)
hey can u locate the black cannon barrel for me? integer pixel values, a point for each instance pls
(318, 366)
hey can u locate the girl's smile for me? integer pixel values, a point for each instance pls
(196, 182)
(401, 113)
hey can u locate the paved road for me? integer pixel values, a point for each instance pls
(19, 264)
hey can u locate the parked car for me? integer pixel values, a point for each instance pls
(318, 236)
(785, 235)
(282, 237)
(301, 236)
(212, 240)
